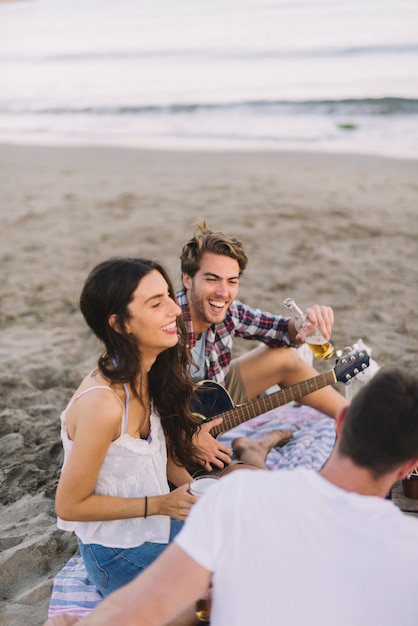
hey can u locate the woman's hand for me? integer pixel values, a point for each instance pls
(210, 450)
(177, 503)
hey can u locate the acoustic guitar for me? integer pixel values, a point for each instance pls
(211, 399)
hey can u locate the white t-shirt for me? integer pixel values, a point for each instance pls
(291, 548)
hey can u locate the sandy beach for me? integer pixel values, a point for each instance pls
(334, 229)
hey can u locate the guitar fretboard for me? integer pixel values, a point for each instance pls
(245, 412)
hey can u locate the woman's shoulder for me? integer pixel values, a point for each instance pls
(95, 382)
(97, 401)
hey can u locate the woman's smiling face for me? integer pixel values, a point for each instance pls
(153, 315)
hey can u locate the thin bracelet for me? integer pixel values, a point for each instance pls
(146, 507)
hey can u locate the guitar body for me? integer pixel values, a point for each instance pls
(210, 399)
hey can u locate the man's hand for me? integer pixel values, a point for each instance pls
(317, 317)
(210, 450)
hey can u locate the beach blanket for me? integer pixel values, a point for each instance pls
(313, 439)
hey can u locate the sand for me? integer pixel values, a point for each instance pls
(335, 229)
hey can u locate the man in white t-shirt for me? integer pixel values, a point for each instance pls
(298, 547)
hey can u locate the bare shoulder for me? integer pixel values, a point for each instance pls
(95, 404)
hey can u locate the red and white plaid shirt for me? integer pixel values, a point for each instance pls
(240, 321)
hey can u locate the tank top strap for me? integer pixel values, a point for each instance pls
(125, 408)
(126, 416)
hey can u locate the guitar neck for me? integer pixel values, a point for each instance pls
(243, 413)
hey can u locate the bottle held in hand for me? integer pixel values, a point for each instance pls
(321, 347)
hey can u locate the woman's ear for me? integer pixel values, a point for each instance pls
(114, 323)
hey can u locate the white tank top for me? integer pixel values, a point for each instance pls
(133, 468)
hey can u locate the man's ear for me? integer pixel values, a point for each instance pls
(407, 468)
(187, 280)
(114, 323)
(339, 419)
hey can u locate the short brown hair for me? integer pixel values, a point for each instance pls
(206, 240)
(380, 431)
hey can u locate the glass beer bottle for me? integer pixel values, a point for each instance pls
(321, 347)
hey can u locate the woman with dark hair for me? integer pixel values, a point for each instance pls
(128, 429)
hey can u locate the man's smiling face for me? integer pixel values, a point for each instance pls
(211, 290)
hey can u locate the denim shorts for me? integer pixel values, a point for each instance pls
(111, 568)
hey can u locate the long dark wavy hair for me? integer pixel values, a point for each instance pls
(107, 291)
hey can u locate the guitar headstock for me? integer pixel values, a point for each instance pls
(353, 360)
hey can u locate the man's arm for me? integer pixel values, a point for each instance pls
(275, 330)
(166, 589)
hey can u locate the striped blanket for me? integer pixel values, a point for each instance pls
(313, 438)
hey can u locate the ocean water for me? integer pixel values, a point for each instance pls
(328, 75)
